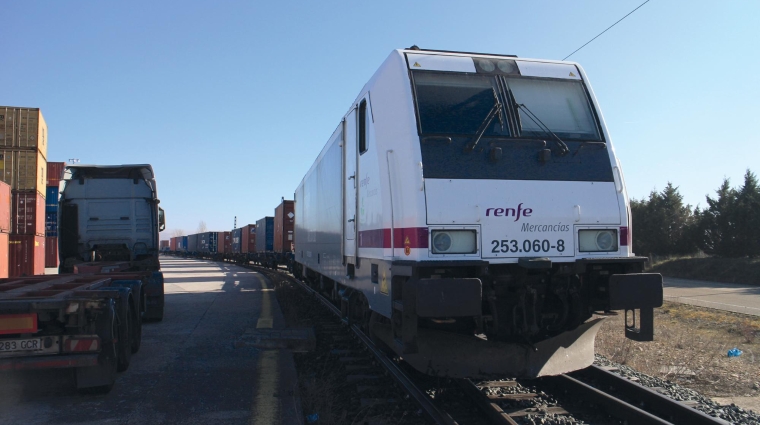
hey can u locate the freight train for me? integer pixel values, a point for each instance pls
(470, 213)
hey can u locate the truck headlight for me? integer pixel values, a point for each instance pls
(597, 240)
(454, 241)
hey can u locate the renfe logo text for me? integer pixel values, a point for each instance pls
(510, 212)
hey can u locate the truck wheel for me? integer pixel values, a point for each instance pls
(124, 342)
(101, 378)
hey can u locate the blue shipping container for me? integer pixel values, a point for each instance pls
(51, 199)
(51, 224)
(182, 243)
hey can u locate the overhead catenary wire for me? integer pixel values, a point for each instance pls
(597, 36)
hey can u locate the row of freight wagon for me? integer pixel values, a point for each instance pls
(268, 242)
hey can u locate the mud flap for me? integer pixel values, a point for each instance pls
(154, 297)
(462, 356)
(102, 377)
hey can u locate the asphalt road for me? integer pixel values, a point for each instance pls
(188, 370)
(723, 296)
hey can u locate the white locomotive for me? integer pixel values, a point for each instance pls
(469, 211)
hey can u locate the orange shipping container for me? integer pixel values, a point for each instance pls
(26, 255)
(51, 252)
(23, 128)
(28, 213)
(284, 219)
(4, 237)
(5, 208)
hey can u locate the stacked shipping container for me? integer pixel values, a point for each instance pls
(5, 227)
(55, 175)
(23, 166)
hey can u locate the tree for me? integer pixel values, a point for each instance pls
(201, 227)
(717, 228)
(178, 232)
(662, 224)
(747, 217)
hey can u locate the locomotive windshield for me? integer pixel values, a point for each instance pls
(534, 114)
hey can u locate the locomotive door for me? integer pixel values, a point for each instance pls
(349, 185)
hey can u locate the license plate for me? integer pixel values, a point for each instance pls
(16, 345)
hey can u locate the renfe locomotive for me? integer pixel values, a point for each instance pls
(470, 213)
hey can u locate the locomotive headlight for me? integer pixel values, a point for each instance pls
(597, 240)
(454, 241)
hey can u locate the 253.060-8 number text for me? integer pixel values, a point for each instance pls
(535, 245)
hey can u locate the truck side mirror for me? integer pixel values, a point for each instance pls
(161, 219)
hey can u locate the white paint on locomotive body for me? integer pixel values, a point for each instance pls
(398, 206)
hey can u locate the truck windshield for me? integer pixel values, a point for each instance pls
(536, 112)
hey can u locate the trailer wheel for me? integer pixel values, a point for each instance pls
(101, 378)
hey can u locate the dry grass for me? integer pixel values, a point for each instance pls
(727, 270)
(690, 348)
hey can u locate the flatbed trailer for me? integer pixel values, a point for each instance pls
(91, 322)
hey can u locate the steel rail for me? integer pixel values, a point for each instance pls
(429, 409)
(613, 405)
(660, 404)
(491, 409)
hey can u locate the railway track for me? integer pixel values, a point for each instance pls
(594, 392)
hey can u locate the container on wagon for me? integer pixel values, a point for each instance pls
(192, 242)
(225, 246)
(182, 244)
(248, 242)
(55, 173)
(24, 169)
(265, 234)
(173, 244)
(26, 255)
(207, 241)
(23, 128)
(51, 251)
(28, 213)
(5, 207)
(236, 236)
(284, 219)
(51, 199)
(163, 245)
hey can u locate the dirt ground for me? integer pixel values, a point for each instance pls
(691, 349)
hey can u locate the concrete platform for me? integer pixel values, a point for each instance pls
(189, 369)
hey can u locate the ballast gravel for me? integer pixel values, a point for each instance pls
(732, 413)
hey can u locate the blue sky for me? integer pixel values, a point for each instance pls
(231, 101)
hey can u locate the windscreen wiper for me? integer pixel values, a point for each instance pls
(563, 149)
(495, 110)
